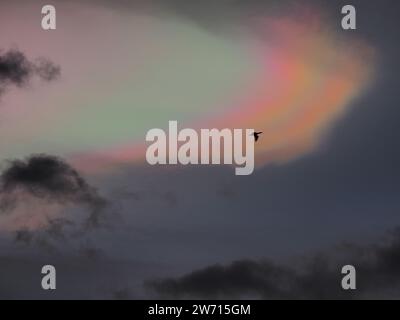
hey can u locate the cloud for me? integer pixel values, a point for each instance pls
(55, 231)
(316, 277)
(17, 70)
(54, 181)
(243, 277)
(46, 70)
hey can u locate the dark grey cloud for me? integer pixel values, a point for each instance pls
(17, 70)
(51, 179)
(14, 68)
(241, 278)
(315, 277)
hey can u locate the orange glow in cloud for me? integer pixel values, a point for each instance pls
(308, 79)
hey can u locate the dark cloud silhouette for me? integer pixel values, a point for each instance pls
(243, 277)
(17, 70)
(51, 179)
(316, 277)
(14, 68)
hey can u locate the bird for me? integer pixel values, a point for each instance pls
(256, 135)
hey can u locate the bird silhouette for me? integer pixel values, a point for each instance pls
(256, 135)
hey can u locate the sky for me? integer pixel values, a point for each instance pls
(76, 191)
